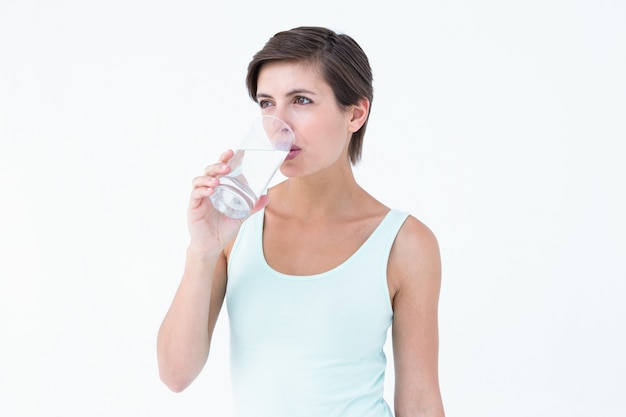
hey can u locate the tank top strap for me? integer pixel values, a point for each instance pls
(381, 241)
(250, 234)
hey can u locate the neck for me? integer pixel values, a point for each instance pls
(327, 195)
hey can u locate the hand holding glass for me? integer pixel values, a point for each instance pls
(253, 166)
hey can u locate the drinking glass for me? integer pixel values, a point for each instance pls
(253, 166)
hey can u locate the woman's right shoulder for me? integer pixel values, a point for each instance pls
(231, 246)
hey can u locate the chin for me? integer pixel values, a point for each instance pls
(288, 170)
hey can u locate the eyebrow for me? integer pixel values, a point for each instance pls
(289, 94)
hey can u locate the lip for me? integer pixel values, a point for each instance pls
(293, 153)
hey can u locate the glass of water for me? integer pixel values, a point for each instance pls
(253, 166)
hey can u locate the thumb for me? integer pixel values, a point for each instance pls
(262, 202)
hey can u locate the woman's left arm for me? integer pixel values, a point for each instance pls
(414, 274)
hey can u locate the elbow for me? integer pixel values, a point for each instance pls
(175, 383)
(176, 370)
(176, 387)
(174, 375)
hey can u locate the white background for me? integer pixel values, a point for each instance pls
(499, 124)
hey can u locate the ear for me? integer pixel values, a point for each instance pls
(358, 113)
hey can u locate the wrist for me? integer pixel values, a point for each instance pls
(203, 252)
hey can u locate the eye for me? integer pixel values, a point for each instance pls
(264, 104)
(302, 100)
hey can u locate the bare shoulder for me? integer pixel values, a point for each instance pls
(415, 236)
(414, 261)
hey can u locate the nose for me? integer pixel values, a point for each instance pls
(284, 114)
(278, 131)
(281, 112)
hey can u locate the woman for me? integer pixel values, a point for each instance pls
(315, 277)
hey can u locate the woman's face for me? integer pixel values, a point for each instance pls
(297, 94)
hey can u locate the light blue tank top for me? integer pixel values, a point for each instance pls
(309, 346)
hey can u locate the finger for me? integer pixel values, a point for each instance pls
(225, 157)
(262, 202)
(216, 170)
(205, 181)
(223, 160)
(202, 192)
(198, 194)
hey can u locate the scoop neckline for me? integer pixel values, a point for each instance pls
(324, 274)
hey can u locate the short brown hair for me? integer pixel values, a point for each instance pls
(341, 61)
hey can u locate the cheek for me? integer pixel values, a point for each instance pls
(327, 134)
(340, 133)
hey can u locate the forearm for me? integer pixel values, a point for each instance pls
(184, 336)
(435, 411)
(432, 406)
